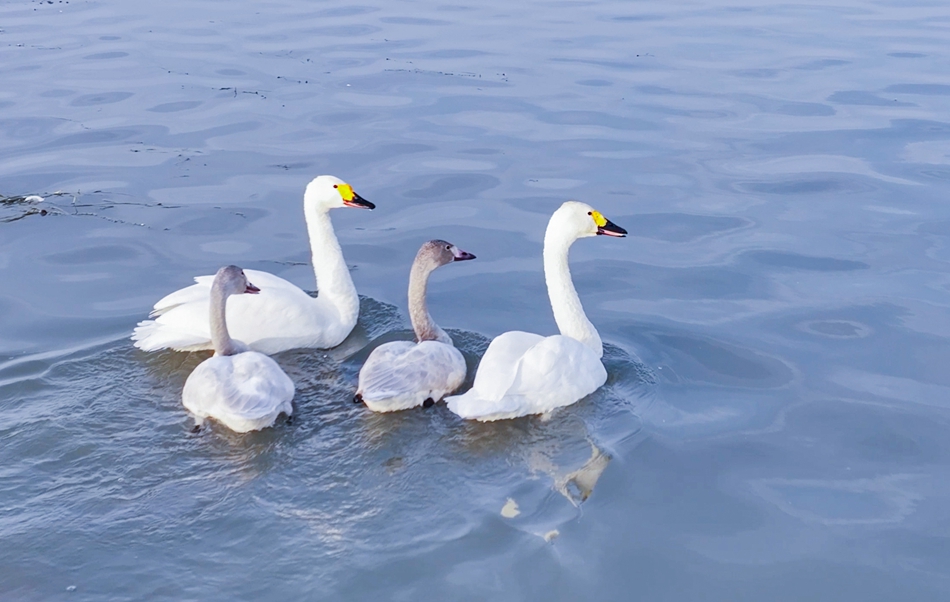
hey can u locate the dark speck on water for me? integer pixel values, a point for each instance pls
(777, 324)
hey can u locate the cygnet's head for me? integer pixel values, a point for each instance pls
(577, 220)
(436, 253)
(232, 281)
(328, 192)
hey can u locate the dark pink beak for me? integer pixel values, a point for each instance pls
(461, 255)
(251, 289)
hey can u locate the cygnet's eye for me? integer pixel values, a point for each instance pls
(448, 247)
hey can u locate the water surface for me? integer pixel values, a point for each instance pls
(775, 422)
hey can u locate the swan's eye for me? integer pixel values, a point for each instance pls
(335, 186)
(590, 213)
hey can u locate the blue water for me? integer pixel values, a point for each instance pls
(775, 422)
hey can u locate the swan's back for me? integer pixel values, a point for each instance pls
(281, 317)
(400, 375)
(286, 317)
(524, 373)
(245, 391)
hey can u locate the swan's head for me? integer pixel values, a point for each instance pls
(437, 253)
(328, 192)
(232, 281)
(577, 220)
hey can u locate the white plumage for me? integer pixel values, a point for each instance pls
(283, 316)
(523, 373)
(244, 392)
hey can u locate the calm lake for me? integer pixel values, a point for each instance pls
(776, 421)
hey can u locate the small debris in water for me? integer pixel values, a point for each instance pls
(71, 588)
(510, 509)
(551, 535)
(394, 464)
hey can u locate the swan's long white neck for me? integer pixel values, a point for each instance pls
(334, 283)
(568, 311)
(422, 323)
(221, 340)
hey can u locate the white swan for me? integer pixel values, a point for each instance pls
(242, 389)
(402, 375)
(282, 316)
(524, 373)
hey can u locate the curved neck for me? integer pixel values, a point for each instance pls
(568, 311)
(422, 323)
(334, 283)
(221, 340)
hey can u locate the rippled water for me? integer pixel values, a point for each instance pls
(775, 422)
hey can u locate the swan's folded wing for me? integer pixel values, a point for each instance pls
(178, 327)
(196, 292)
(200, 292)
(556, 372)
(497, 369)
(280, 311)
(149, 335)
(259, 387)
(381, 375)
(472, 407)
(487, 399)
(401, 369)
(529, 374)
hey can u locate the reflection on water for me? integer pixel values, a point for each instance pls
(344, 477)
(776, 324)
(577, 485)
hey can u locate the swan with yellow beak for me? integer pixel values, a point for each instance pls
(282, 316)
(523, 373)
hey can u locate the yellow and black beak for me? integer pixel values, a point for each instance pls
(351, 199)
(605, 227)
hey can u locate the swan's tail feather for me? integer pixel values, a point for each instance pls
(196, 292)
(471, 406)
(149, 335)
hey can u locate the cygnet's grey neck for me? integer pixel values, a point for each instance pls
(221, 340)
(422, 323)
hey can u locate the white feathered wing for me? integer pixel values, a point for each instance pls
(523, 373)
(269, 322)
(400, 375)
(245, 392)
